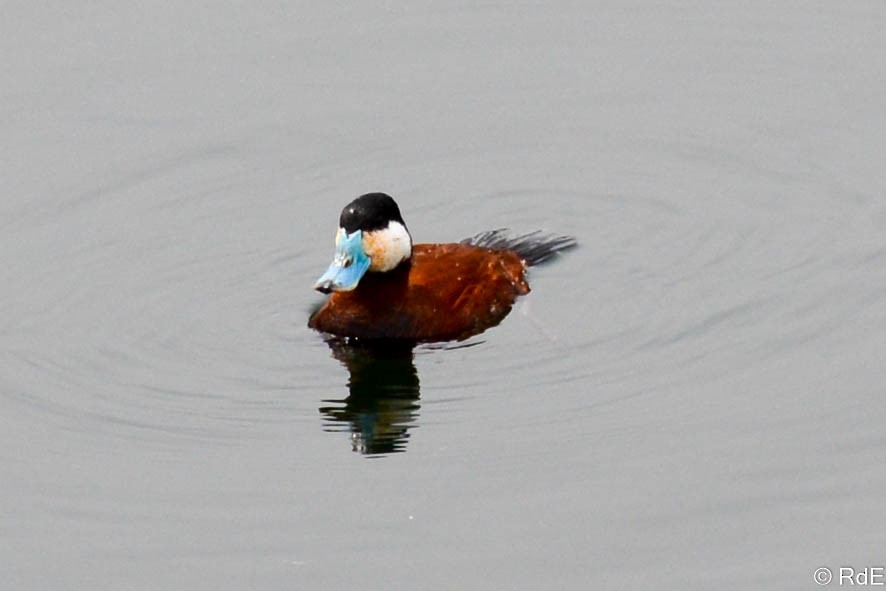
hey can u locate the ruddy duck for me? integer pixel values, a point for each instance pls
(385, 287)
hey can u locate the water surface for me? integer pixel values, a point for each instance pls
(692, 399)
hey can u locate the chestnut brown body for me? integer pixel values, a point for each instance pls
(444, 292)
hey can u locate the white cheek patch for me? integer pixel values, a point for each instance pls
(387, 248)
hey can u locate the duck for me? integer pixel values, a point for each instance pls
(381, 286)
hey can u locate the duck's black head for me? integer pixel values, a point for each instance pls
(372, 236)
(370, 212)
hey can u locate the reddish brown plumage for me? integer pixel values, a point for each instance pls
(447, 292)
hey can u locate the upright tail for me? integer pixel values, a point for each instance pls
(534, 248)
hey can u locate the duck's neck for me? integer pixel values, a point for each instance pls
(397, 275)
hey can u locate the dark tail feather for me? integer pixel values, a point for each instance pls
(534, 248)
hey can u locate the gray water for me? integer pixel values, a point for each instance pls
(693, 399)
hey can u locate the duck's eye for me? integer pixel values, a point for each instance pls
(347, 263)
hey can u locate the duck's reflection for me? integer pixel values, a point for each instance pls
(382, 402)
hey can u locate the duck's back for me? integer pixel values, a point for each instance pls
(447, 292)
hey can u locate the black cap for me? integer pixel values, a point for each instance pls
(372, 211)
